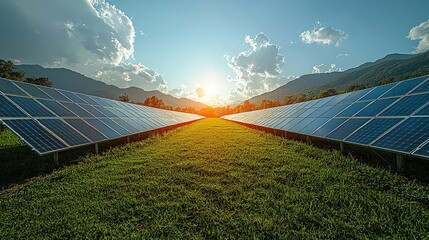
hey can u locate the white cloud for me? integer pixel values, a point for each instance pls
(258, 69)
(420, 33)
(324, 35)
(341, 55)
(323, 68)
(92, 37)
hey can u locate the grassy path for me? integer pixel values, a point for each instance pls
(216, 179)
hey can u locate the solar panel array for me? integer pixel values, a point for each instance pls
(50, 120)
(393, 117)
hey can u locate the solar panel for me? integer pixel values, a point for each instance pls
(56, 108)
(32, 90)
(393, 117)
(77, 110)
(406, 105)
(347, 128)
(376, 107)
(315, 124)
(115, 126)
(423, 151)
(407, 136)
(8, 87)
(34, 135)
(64, 131)
(329, 126)
(7, 109)
(92, 110)
(422, 88)
(104, 128)
(73, 97)
(404, 87)
(86, 129)
(54, 94)
(372, 130)
(51, 120)
(377, 92)
(353, 109)
(31, 106)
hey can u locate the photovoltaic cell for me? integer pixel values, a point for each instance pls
(92, 110)
(115, 126)
(354, 96)
(407, 136)
(7, 109)
(404, 87)
(347, 128)
(103, 128)
(332, 112)
(424, 151)
(87, 99)
(372, 130)
(105, 111)
(35, 135)
(54, 94)
(377, 92)
(353, 109)
(7, 87)
(123, 123)
(406, 105)
(77, 110)
(57, 108)
(86, 129)
(376, 107)
(32, 107)
(315, 124)
(329, 126)
(301, 124)
(73, 97)
(422, 88)
(32, 90)
(64, 131)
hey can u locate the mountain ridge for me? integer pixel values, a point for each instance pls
(73, 81)
(398, 66)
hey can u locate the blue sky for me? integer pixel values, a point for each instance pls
(181, 46)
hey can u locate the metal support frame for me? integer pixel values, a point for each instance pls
(399, 162)
(308, 139)
(96, 148)
(128, 139)
(56, 161)
(342, 147)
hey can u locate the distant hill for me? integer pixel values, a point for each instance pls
(73, 81)
(397, 66)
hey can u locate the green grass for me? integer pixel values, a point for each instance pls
(216, 180)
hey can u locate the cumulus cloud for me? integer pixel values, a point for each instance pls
(324, 35)
(200, 92)
(258, 69)
(420, 33)
(323, 68)
(92, 37)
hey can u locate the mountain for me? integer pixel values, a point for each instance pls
(73, 81)
(397, 66)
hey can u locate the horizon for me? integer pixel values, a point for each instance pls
(218, 53)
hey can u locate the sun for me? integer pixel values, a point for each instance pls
(211, 90)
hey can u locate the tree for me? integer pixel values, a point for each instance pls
(7, 70)
(124, 98)
(387, 81)
(39, 81)
(327, 93)
(154, 102)
(355, 87)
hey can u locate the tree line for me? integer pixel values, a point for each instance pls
(7, 70)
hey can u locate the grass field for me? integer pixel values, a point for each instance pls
(216, 180)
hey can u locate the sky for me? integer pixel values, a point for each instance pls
(214, 51)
